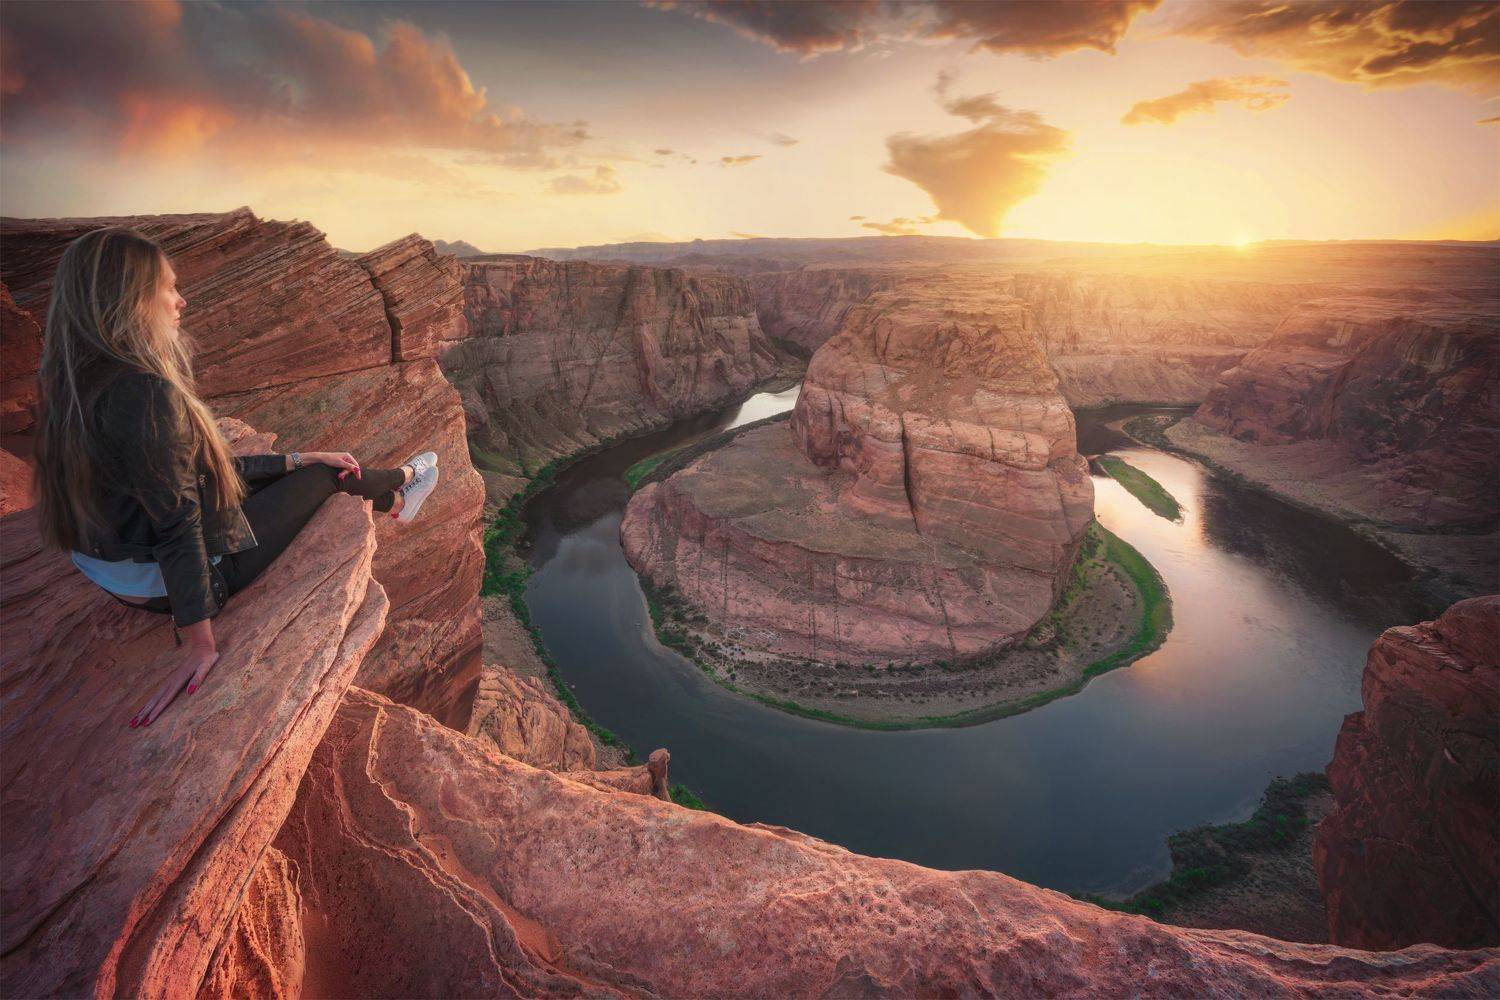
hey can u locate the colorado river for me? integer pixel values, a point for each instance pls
(1274, 611)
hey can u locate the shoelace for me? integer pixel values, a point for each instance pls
(415, 478)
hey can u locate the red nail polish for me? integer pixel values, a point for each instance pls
(132, 723)
(147, 722)
(192, 688)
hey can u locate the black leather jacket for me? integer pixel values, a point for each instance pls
(158, 502)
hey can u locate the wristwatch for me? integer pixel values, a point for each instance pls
(296, 461)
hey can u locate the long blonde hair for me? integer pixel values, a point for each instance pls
(103, 319)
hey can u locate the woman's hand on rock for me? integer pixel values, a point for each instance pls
(337, 459)
(199, 661)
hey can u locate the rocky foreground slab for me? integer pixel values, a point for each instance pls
(126, 850)
(428, 864)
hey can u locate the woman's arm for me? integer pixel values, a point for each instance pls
(253, 467)
(164, 480)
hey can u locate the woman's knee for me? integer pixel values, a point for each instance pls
(323, 478)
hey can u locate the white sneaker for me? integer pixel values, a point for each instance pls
(418, 462)
(416, 491)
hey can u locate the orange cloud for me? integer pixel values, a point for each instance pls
(155, 78)
(1254, 93)
(602, 181)
(738, 161)
(1031, 27)
(1377, 44)
(974, 177)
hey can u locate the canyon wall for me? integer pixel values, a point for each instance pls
(1411, 852)
(926, 503)
(1407, 391)
(1111, 335)
(561, 357)
(804, 308)
(326, 354)
(1125, 337)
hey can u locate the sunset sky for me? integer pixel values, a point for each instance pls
(523, 125)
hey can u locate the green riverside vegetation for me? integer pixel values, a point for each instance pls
(506, 573)
(1141, 486)
(640, 470)
(1209, 857)
(670, 618)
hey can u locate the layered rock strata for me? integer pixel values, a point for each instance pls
(521, 717)
(1411, 852)
(1112, 336)
(562, 357)
(1122, 337)
(126, 851)
(1404, 393)
(299, 341)
(430, 567)
(405, 834)
(926, 504)
(248, 283)
(804, 308)
(423, 295)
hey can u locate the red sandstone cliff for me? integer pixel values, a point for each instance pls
(1129, 337)
(1112, 335)
(300, 342)
(926, 504)
(282, 833)
(1405, 391)
(126, 851)
(1411, 852)
(1121, 325)
(563, 356)
(804, 308)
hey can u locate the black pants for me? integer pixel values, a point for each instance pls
(278, 508)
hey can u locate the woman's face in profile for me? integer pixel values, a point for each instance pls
(168, 301)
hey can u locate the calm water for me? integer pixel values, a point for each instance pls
(1274, 613)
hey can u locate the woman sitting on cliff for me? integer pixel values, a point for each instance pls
(133, 473)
